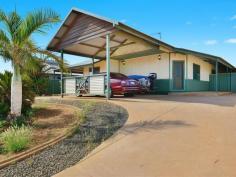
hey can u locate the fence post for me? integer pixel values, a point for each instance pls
(216, 68)
(62, 57)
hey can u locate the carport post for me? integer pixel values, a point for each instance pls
(108, 65)
(92, 65)
(62, 58)
(53, 82)
(216, 75)
(169, 71)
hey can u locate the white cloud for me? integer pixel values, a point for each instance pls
(211, 42)
(188, 23)
(233, 17)
(231, 41)
(123, 21)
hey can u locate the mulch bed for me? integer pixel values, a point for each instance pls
(102, 120)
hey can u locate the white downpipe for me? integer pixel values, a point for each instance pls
(16, 92)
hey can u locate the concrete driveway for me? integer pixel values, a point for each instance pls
(168, 136)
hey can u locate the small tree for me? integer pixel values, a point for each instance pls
(18, 47)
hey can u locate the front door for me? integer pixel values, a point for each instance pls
(178, 75)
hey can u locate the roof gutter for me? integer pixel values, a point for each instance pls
(202, 55)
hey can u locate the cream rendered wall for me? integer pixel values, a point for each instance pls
(177, 57)
(205, 68)
(115, 66)
(146, 65)
(86, 71)
(102, 65)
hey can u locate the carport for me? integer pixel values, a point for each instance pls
(88, 35)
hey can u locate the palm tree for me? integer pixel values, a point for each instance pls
(18, 47)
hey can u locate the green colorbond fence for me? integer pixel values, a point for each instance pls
(196, 86)
(226, 82)
(54, 87)
(161, 86)
(233, 82)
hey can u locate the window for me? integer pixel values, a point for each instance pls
(196, 72)
(96, 70)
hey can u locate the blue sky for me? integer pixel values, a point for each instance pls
(203, 25)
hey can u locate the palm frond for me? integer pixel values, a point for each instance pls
(50, 55)
(5, 56)
(32, 64)
(12, 21)
(3, 16)
(38, 21)
(5, 46)
(30, 48)
(3, 37)
(15, 39)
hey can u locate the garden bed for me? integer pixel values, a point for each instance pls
(52, 121)
(49, 122)
(101, 120)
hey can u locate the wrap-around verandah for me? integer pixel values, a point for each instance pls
(88, 35)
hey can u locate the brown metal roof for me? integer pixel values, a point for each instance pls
(83, 34)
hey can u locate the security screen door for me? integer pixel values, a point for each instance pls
(178, 75)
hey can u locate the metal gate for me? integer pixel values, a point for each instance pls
(85, 85)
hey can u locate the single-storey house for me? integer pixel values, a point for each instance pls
(116, 47)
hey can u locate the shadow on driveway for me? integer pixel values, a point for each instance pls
(153, 125)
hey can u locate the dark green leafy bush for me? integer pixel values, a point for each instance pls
(5, 94)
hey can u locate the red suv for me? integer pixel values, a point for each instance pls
(122, 85)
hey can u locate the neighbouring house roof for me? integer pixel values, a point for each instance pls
(78, 68)
(75, 37)
(50, 66)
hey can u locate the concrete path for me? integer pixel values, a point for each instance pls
(168, 136)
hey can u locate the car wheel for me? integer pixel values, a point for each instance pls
(128, 94)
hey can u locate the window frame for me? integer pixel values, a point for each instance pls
(196, 72)
(96, 69)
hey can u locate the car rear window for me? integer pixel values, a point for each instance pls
(118, 75)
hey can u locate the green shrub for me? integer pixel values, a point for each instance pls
(2, 123)
(5, 93)
(15, 138)
(4, 109)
